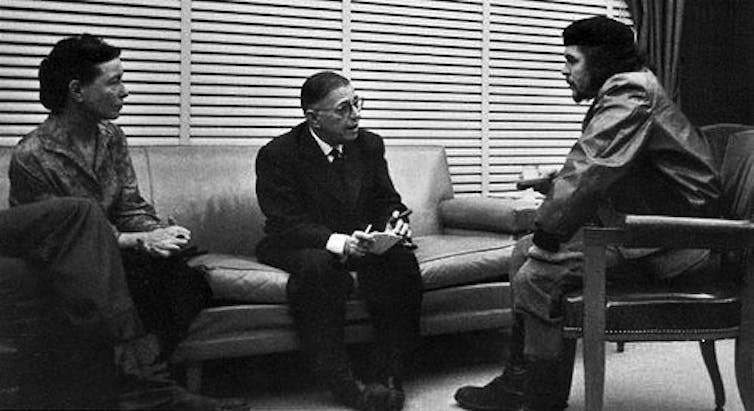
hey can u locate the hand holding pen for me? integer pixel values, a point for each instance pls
(398, 224)
(359, 243)
(397, 221)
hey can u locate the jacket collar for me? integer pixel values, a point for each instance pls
(322, 173)
(324, 146)
(55, 137)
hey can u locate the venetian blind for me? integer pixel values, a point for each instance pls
(533, 119)
(249, 60)
(419, 64)
(147, 31)
(480, 77)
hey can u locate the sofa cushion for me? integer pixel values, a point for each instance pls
(451, 260)
(444, 260)
(241, 278)
(420, 174)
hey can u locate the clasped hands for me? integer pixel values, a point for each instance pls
(360, 243)
(164, 242)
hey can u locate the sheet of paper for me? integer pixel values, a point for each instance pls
(383, 241)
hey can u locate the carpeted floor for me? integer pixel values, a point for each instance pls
(647, 376)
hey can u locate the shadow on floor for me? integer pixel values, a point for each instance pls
(280, 374)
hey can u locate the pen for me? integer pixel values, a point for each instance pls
(368, 229)
(407, 212)
(407, 242)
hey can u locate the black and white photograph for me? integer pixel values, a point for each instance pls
(377, 205)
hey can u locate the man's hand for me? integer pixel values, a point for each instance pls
(398, 225)
(358, 244)
(541, 184)
(164, 242)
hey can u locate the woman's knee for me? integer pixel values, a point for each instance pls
(72, 204)
(76, 206)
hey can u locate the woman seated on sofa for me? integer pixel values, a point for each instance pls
(78, 152)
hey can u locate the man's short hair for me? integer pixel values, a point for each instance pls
(319, 85)
(608, 46)
(74, 57)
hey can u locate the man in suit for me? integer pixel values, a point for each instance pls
(322, 186)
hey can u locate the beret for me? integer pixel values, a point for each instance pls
(598, 31)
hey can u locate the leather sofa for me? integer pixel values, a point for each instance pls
(464, 244)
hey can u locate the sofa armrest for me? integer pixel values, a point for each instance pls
(488, 214)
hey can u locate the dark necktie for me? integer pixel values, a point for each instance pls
(337, 164)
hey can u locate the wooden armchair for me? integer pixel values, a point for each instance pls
(701, 312)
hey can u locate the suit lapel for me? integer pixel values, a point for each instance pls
(319, 169)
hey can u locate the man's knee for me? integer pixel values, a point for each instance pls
(403, 261)
(521, 279)
(317, 271)
(518, 257)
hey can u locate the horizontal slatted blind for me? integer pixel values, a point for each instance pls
(618, 9)
(419, 66)
(533, 119)
(481, 77)
(249, 60)
(147, 31)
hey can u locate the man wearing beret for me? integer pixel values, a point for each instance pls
(637, 154)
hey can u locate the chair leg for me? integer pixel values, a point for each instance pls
(745, 372)
(194, 376)
(710, 360)
(594, 326)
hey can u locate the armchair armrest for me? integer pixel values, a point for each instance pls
(651, 231)
(678, 232)
(488, 214)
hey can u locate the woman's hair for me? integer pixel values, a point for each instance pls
(318, 86)
(73, 58)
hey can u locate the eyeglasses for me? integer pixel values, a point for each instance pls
(346, 108)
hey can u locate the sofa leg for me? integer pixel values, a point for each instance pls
(194, 376)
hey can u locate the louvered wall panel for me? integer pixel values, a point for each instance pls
(148, 32)
(533, 119)
(418, 64)
(619, 10)
(249, 60)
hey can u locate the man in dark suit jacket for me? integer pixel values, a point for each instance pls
(322, 186)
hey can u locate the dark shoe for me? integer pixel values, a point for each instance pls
(504, 393)
(166, 394)
(565, 373)
(187, 401)
(396, 398)
(369, 397)
(541, 385)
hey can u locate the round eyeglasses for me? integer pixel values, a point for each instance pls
(346, 108)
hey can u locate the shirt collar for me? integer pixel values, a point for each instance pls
(326, 148)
